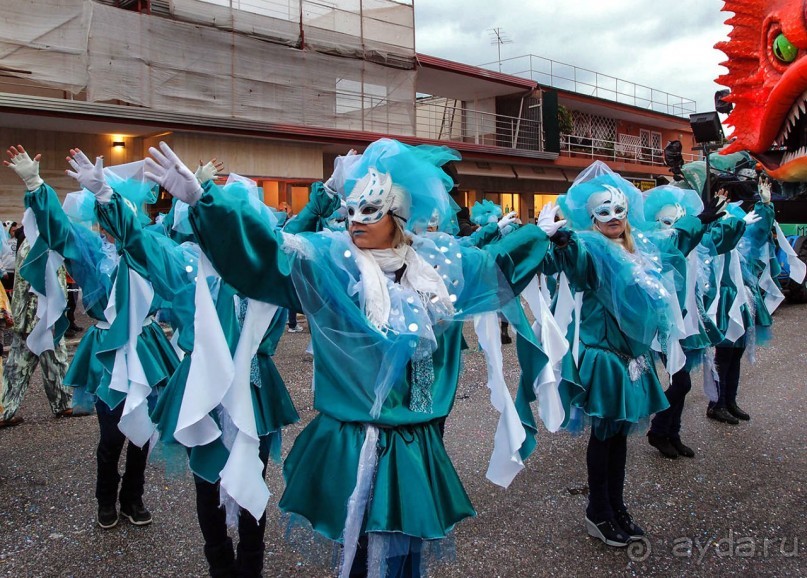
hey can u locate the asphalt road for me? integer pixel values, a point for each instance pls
(736, 509)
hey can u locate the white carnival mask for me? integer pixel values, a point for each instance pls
(669, 214)
(371, 198)
(608, 205)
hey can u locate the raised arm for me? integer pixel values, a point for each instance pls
(245, 251)
(725, 234)
(321, 205)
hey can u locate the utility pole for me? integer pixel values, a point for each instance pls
(498, 37)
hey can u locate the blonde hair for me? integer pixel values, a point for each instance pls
(626, 238)
(399, 237)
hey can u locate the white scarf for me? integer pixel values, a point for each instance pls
(419, 276)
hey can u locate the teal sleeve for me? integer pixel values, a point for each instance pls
(53, 224)
(725, 234)
(320, 206)
(482, 236)
(80, 247)
(246, 252)
(519, 255)
(760, 232)
(690, 233)
(573, 260)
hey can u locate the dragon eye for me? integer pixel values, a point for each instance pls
(784, 50)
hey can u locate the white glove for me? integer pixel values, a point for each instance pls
(547, 222)
(90, 176)
(508, 219)
(25, 167)
(751, 218)
(764, 188)
(208, 172)
(168, 171)
(336, 182)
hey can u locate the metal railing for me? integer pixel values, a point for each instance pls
(591, 83)
(444, 119)
(608, 150)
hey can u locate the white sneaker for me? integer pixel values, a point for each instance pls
(297, 329)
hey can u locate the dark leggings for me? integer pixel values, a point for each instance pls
(606, 476)
(667, 423)
(213, 523)
(727, 360)
(110, 447)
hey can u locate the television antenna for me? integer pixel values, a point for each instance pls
(499, 37)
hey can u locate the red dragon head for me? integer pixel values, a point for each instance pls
(767, 76)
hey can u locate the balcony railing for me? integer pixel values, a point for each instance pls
(615, 151)
(589, 82)
(450, 120)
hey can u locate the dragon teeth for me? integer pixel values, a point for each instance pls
(790, 156)
(794, 114)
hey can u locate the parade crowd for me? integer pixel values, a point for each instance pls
(608, 288)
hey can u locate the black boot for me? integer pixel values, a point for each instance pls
(250, 562)
(221, 559)
(721, 414)
(737, 412)
(682, 450)
(662, 444)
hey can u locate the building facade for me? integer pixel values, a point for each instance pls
(276, 89)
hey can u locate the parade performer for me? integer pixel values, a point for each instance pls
(229, 420)
(625, 308)
(35, 342)
(95, 373)
(381, 302)
(666, 209)
(743, 316)
(485, 214)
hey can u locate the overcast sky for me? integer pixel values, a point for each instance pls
(664, 44)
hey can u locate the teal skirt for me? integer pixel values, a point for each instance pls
(272, 405)
(610, 399)
(417, 491)
(86, 371)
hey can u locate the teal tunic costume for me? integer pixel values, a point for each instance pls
(92, 364)
(416, 491)
(151, 254)
(675, 246)
(619, 318)
(722, 237)
(755, 316)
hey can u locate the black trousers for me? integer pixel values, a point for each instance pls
(110, 447)
(727, 360)
(667, 423)
(213, 523)
(605, 460)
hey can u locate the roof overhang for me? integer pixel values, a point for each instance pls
(58, 115)
(438, 77)
(596, 106)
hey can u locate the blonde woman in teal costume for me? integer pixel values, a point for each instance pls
(382, 300)
(625, 308)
